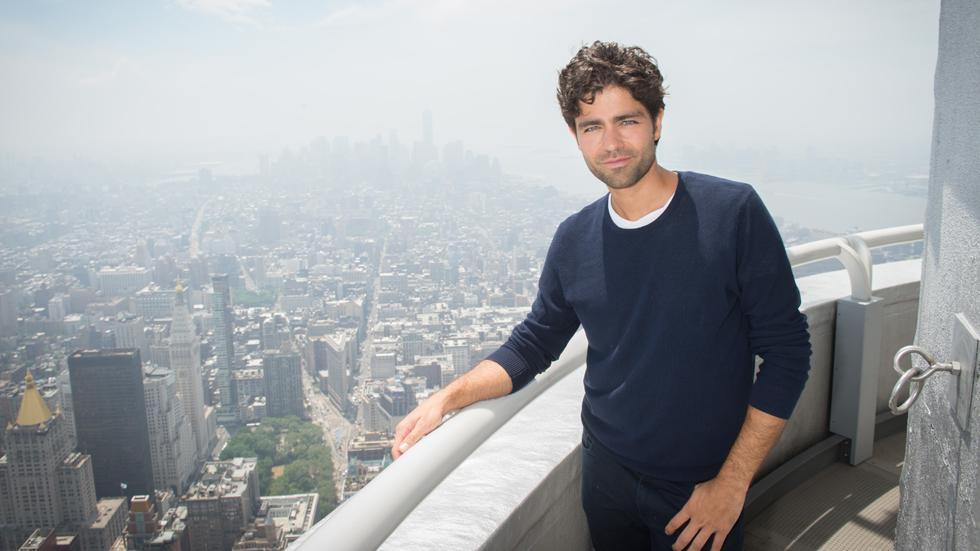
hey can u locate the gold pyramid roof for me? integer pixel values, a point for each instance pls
(33, 409)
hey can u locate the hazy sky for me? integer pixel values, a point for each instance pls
(223, 80)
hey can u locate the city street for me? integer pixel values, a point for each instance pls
(336, 429)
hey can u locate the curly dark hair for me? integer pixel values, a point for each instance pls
(603, 63)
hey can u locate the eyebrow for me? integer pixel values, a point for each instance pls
(631, 115)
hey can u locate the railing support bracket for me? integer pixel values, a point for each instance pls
(857, 352)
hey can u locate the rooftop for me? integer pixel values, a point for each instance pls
(107, 508)
(295, 514)
(222, 479)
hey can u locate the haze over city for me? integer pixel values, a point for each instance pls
(173, 84)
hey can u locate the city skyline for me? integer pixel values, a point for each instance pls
(107, 82)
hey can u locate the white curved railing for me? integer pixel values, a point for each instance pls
(367, 519)
(854, 252)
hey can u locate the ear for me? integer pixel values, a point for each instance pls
(658, 123)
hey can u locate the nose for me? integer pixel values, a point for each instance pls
(612, 139)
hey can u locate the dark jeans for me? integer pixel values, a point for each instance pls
(629, 510)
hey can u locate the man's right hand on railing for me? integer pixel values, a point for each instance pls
(421, 421)
(487, 380)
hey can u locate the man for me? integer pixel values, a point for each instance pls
(679, 280)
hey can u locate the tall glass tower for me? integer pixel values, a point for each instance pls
(224, 346)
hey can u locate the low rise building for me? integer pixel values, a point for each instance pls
(280, 521)
(222, 504)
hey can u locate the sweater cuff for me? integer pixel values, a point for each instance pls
(514, 365)
(774, 399)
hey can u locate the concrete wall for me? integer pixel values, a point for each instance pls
(551, 517)
(940, 490)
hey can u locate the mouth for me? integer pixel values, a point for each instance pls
(615, 162)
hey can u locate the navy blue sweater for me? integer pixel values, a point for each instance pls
(674, 312)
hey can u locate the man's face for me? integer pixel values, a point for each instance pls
(616, 134)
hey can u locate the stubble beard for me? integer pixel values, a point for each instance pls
(627, 176)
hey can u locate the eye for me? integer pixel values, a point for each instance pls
(590, 128)
(629, 122)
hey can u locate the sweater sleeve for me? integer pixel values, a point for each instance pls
(771, 303)
(541, 337)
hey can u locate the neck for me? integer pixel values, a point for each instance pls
(647, 195)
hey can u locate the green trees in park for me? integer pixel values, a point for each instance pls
(296, 446)
(250, 299)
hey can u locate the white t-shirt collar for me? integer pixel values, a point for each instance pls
(642, 221)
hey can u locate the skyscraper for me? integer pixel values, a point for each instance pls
(38, 442)
(224, 347)
(8, 312)
(334, 354)
(185, 360)
(110, 419)
(172, 446)
(11, 395)
(57, 308)
(459, 349)
(283, 383)
(424, 151)
(45, 484)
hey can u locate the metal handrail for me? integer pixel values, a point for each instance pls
(397, 490)
(891, 236)
(836, 248)
(854, 252)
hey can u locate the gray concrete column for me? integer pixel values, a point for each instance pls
(939, 483)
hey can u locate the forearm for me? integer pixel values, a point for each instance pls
(485, 381)
(760, 432)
